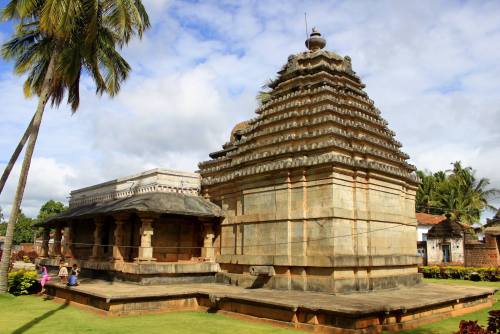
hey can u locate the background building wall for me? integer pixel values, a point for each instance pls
(435, 251)
(421, 230)
(479, 254)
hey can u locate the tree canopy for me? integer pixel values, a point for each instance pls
(23, 231)
(456, 191)
(80, 36)
(49, 209)
(53, 43)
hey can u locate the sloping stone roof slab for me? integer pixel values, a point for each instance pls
(159, 203)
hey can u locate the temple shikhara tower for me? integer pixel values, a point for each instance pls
(316, 192)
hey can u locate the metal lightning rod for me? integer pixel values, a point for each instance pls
(307, 37)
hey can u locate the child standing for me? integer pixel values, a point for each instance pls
(63, 272)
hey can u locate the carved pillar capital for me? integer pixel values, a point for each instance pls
(99, 220)
(121, 218)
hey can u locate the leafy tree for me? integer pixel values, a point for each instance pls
(23, 231)
(429, 184)
(456, 191)
(55, 41)
(49, 209)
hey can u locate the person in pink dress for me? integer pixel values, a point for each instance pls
(45, 276)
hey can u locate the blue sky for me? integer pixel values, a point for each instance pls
(431, 67)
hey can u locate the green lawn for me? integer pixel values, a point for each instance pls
(30, 314)
(450, 325)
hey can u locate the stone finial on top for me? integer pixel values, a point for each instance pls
(315, 41)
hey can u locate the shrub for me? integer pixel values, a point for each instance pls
(23, 282)
(471, 327)
(494, 321)
(466, 273)
(22, 255)
(431, 272)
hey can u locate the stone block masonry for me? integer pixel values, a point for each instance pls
(390, 310)
(315, 186)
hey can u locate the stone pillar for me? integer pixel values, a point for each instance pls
(146, 248)
(97, 248)
(68, 242)
(45, 242)
(208, 251)
(57, 242)
(118, 234)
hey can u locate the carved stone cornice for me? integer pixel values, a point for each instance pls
(318, 114)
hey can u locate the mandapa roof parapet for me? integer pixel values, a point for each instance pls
(155, 180)
(317, 114)
(156, 203)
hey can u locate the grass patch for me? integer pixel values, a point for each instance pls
(31, 314)
(450, 325)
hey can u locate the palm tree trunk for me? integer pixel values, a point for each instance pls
(15, 155)
(37, 119)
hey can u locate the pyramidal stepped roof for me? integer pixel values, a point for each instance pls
(317, 113)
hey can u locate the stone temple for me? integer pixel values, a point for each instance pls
(310, 199)
(312, 194)
(315, 187)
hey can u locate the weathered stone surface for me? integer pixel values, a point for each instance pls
(156, 180)
(390, 310)
(159, 203)
(142, 267)
(315, 180)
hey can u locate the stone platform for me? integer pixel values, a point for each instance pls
(145, 273)
(372, 312)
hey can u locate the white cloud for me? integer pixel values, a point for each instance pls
(47, 180)
(431, 67)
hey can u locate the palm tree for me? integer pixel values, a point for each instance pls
(55, 41)
(463, 195)
(14, 156)
(456, 191)
(426, 192)
(264, 94)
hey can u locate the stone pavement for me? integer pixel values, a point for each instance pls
(353, 304)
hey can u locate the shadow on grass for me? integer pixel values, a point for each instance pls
(39, 319)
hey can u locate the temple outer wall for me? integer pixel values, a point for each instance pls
(321, 229)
